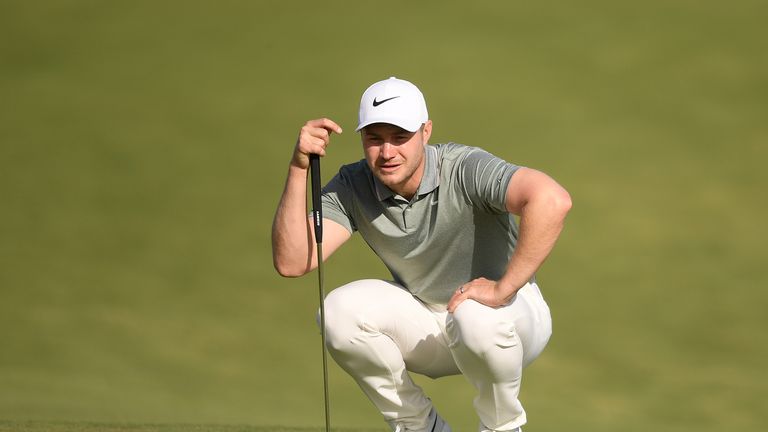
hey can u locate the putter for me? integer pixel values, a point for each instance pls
(317, 217)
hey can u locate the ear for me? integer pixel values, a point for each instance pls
(426, 131)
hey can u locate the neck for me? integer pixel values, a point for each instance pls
(411, 185)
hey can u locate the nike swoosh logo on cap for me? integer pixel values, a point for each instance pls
(377, 103)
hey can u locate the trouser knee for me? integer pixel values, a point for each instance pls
(480, 329)
(341, 321)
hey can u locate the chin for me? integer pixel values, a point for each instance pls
(388, 180)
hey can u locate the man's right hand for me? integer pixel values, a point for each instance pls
(314, 137)
(293, 251)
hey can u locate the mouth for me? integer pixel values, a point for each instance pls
(389, 168)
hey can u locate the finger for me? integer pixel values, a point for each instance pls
(459, 296)
(319, 146)
(313, 140)
(318, 141)
(326, 124)
(455, 302)
(309, 132)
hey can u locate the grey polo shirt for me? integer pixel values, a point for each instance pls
(455, 229)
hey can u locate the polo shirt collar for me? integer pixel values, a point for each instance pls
(429, 181)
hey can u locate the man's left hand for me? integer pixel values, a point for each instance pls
(481, 290)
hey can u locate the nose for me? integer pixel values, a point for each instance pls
(387, 151)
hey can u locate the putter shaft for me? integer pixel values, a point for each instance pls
(317, 220)
(322, 335)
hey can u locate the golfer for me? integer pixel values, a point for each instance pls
(463, 298)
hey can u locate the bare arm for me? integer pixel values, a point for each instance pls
(293, 246)
(542, 205)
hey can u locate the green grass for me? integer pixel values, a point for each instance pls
(143, 148)
(116, 427)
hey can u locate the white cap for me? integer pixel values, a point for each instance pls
(393, 101)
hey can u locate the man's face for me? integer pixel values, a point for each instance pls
(396, 156)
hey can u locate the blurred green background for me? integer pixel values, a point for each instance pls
(144, 144)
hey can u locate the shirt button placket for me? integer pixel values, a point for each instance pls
(406, 213)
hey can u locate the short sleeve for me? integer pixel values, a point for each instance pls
(484, 179)
(337, 202)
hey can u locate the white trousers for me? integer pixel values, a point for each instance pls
(378, 332)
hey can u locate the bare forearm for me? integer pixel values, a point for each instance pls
(292, 245)
(541, 222)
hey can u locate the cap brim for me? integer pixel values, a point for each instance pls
(409, 125)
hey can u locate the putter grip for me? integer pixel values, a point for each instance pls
(317, 206)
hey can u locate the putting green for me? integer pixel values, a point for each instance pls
(144, 144)
(117, 427)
